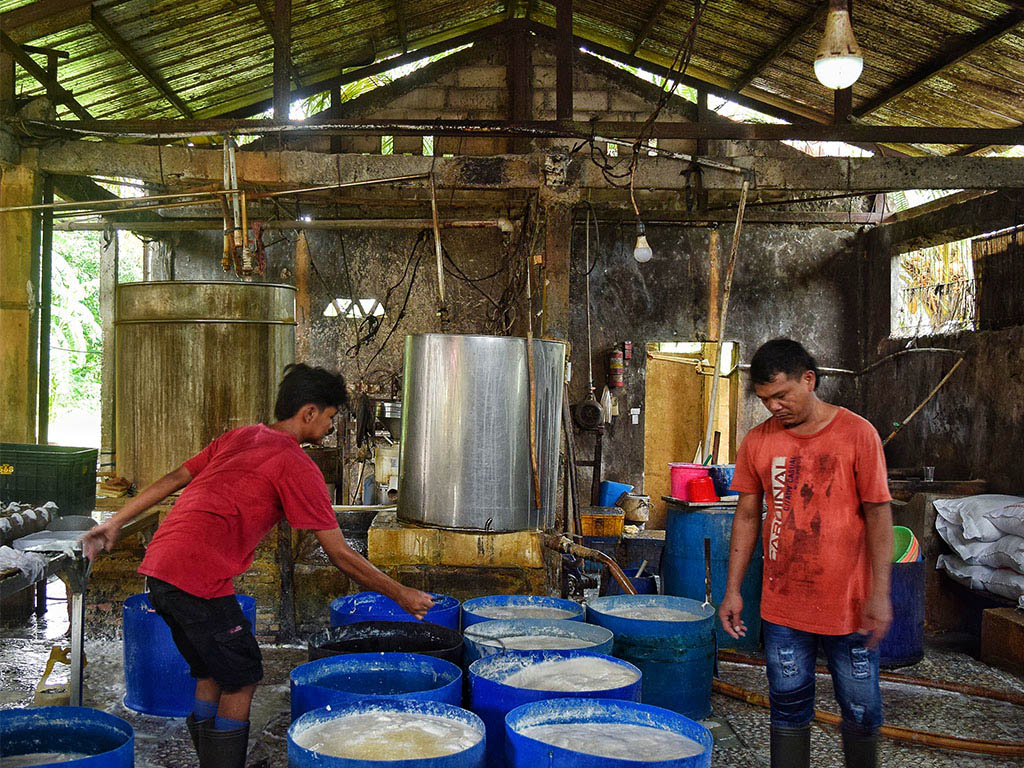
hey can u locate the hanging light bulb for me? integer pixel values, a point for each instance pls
(642, 250)
(839, 62)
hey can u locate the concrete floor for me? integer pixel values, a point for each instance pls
(164, 743)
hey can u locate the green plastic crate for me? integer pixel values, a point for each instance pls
(35, 474)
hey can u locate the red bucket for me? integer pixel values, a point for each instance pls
(681, 474)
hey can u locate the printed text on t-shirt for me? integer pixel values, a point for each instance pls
(785, 476)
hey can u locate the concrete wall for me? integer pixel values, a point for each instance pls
(789, 281)
(971, 428)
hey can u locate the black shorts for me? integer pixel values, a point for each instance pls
(213, 635)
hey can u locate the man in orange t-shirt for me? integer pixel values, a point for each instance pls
(827, 551)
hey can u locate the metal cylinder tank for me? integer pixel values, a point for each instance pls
(193, 360)
(466, 432)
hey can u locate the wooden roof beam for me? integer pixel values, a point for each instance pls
(29, 65)
(268, 22)
(645, 30)
(943, 61)
(403, 35)
(812, 19)
(121, 46)
(282, 57)
(43, 11)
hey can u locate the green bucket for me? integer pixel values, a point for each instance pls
(903, 540)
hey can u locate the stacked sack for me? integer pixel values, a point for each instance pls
(987, 534)
(18, 519)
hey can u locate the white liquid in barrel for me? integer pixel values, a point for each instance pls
(585, 673)
(538, 642)
(616, 740)
(652, 613)
(384, 736)
(40, 758)
(513, 611)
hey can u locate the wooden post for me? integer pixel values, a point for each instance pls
(714, 283)
(18, 299)
(282, 49)
(554, 319)
(109, 261)
(6, 84)
(520, 81)
(302, 301)
(564, 57)
(842, 105)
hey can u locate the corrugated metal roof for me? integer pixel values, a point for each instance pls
(216, 55)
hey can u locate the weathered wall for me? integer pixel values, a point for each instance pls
(789, 281)
(971, 428)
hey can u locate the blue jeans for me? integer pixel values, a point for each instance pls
(790, 655)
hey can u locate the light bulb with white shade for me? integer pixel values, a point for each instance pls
(838, 63)
(642, 250)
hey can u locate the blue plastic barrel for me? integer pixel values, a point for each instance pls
(372, 606)
(156, 677)
(683, 567)
(301, 757)
(482, 638)
(492, 699)
(904, 644)
(644, 585)
(105, 741)
(525, 752)
(676, 657)
(521, 607)
(343, 680)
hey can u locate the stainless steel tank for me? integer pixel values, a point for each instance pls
(194, 359)
(466, 432)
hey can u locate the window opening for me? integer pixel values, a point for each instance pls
(934, 291)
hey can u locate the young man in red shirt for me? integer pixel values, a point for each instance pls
(827, 551)
(236, 490)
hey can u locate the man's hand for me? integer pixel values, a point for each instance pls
(415, 602)
(875, 618)
(729, 613)
(102, 536)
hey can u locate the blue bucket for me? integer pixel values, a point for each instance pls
(343, 680)
(610, 492)
(156, 677)
(676, 657)
(301, 757)
(721, 476)
(477, 636)
(525, 752)
(644, 585)
(514, 607)
(904, 643)
(105, 740)
(492, 699)
(372, 606)
(682, 570)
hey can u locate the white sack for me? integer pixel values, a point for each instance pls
(998, 581)
(985, 517)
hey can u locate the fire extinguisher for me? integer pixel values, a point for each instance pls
(616, 369)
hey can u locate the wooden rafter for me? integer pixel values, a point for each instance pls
(33, 13)
(282, 56)
(29, 65)
(403, 35)
(645, 30)
(943, 61)
(122, 46)
(798, 30)
(268, 22)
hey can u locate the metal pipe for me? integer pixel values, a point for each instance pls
(117, 201)
(442, 310)
(246, 252)
(199, 225)
(562, 544)
(235, 207)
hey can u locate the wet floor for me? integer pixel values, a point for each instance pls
(164, 743)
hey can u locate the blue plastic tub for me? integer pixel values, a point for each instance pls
(372, 606)
(644, 585)
(519, 607)
(105, 740)
(721, 476)
(156, 675)
(525, 752)
(301, 757)
(676, 657)
(476, 637)
(904, 644)
(610, 491)
(683, 567)
(492, 699)
(343, 680)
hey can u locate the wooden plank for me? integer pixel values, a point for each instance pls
(121, 46)
(564, 55)
(30, 66)
(967, 47)
(282, 52)
(645, 30)
(557, 257)
(40, 10)
(268, 22)
(403, 34)
(798, 30)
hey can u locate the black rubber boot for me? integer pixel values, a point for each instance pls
(860, 750)
(791, 747)
(226, 749)
(197, 730)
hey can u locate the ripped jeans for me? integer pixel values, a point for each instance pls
(791, 654)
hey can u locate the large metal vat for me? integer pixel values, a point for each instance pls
(466, 432)
(194, 359)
